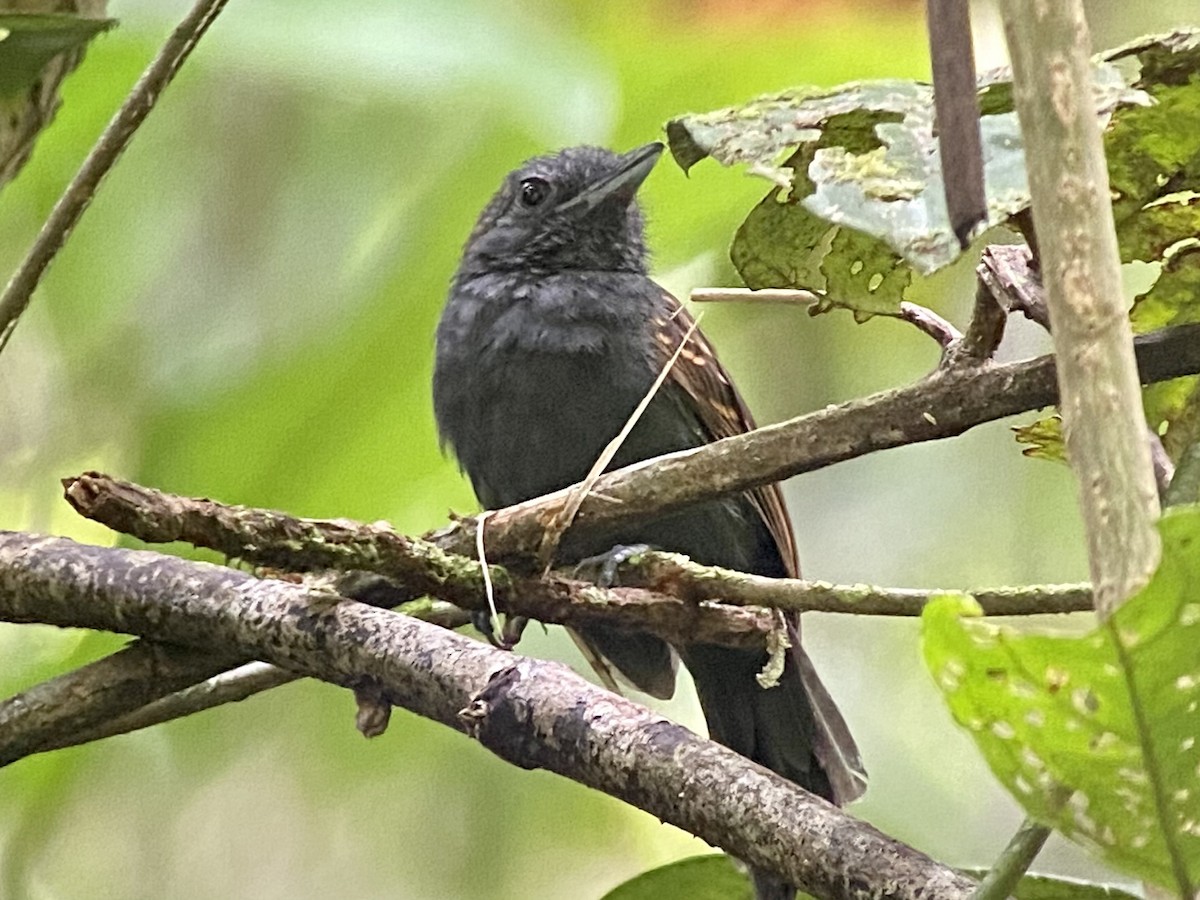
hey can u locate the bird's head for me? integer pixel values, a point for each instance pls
(570, 210)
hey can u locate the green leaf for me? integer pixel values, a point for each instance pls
(708, 877)
(1173, 407)
(1044, 887)
(1110, 719)
(28, 42)
(871, 161)
(860, 205)
(1044, 439)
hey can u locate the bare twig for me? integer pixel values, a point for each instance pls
(1001, 880)
(930, 323)
(943, 404)
(101, 159)
(746, 295)
(985, 330)
(1009, 272)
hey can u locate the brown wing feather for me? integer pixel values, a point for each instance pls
(721, 410)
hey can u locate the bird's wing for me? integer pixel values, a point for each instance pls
(721, 411)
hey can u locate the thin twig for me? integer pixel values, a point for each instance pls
(103, 156)
(1010, 273)
(956, 103)
(746, 295)
(986, 328)
(1012, 864)
(930, 323)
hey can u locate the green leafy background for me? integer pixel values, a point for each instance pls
(246, 313)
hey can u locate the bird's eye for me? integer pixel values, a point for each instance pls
(534, 192)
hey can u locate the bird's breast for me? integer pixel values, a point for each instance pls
(532, 383)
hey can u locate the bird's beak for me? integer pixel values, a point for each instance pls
(619, 186)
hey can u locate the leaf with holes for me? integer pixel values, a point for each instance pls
(860, 207)
(1110, 721)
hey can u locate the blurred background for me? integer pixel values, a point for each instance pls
(247, 313)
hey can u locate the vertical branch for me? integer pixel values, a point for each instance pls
(1098, 382)
(957, 105)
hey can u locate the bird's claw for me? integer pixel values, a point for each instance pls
(510, 631)
(605, 569)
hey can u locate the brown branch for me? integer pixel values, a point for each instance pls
(103, 156)
(1010, 274)
(146, 684)
(532, 714)
(66, 710)
(930, 323)
(417, 567)
(677, 583)
(944, 404)
(985, 330)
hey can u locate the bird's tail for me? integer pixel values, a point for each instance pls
(793, 728)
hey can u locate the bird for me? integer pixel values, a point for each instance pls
(552, 333)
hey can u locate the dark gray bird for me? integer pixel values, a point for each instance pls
(552, 334)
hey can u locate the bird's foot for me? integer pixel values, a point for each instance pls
(605, 569)
(510, 631)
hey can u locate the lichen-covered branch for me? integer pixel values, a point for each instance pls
(679, 585)
(533, 714)
(1101, 405)
(415, 567)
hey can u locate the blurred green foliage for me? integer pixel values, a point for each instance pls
(247, 312)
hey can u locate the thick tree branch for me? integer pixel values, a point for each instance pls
(533, 714)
